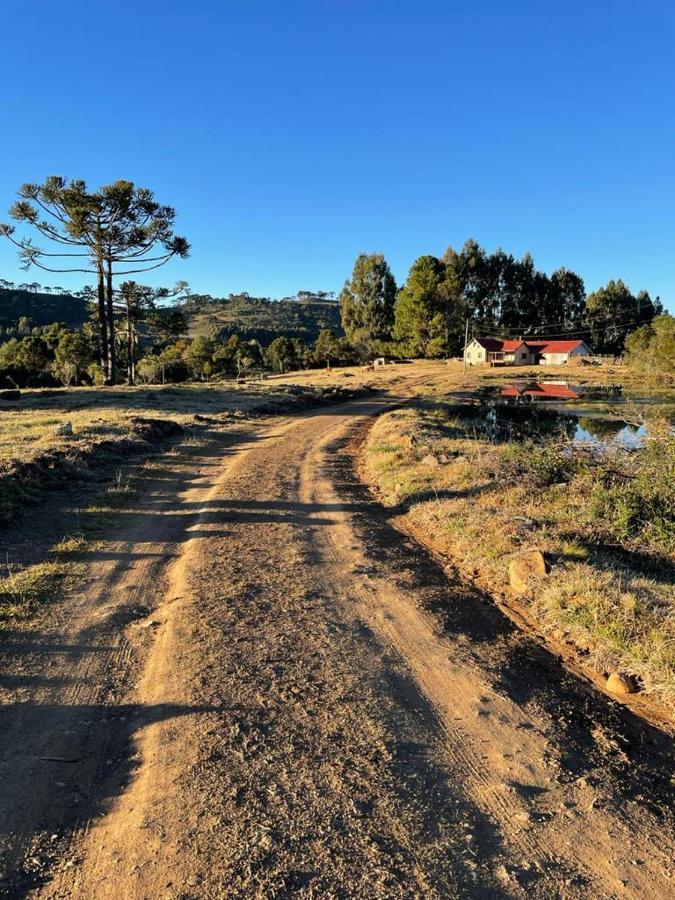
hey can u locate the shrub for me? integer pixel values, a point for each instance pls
(95, 374)
(640, 504)
(539, 464)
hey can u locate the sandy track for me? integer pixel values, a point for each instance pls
(319, 712)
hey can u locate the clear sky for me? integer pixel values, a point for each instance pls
(292, 134)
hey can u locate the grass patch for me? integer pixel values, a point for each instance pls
(24, 592)
(606, 523)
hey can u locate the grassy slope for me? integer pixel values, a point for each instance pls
(42, 309)
(250, 317)
(264, 319)
(611, 596)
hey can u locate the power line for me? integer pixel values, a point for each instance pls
(592, 316)
(506, 335)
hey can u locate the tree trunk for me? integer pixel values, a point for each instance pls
(130, 349)
(102, 325)
(110, 316)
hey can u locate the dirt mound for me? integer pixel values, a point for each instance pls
(23, 481)
(155, 429)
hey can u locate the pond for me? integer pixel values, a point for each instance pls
(594, 416)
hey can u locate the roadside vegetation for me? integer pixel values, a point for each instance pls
(27, 590)
(604, 522)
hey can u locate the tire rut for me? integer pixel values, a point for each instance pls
(324, 713)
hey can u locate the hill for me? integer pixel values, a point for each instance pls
(41, 308)
(251, 317)
(262, 318)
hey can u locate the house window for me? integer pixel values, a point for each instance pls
(523, 355)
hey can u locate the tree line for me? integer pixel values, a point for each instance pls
(496, 293)
(50, 355)
(121, 230)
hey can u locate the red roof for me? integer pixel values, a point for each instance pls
(540, 346)
(540, 390)
(490, 344)
(497, 345)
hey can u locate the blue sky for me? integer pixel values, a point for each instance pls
(292, 135)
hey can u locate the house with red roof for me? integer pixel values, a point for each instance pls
(523, 351)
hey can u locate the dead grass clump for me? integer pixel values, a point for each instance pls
(540, 464)
(621, 619)
(24, 591)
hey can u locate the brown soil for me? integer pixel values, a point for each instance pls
(264, 690)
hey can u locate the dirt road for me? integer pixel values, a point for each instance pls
(265, 690)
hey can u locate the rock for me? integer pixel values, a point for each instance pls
(430, 460)
(525, 520)
(525, 569)
(10, 395)
(621, 685)
(64, 430)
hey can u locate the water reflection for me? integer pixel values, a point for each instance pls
(540, 390)
(558, 391)
(522, 409)
(506, 422)
(610, 432)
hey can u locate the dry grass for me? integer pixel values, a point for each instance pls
(23, 592)
(28, 426)
(483, 503)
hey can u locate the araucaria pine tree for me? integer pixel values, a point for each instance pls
(118, 230)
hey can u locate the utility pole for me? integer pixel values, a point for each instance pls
(466, 341)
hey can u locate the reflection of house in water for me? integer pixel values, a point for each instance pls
(535, 390)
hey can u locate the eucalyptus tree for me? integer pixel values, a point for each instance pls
(118, 230)
(420, 321)
(367, 300)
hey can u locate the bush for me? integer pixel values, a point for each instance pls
(538, 464)
(641, 503)
(95, 374)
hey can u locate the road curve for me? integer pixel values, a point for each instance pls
(323, 713)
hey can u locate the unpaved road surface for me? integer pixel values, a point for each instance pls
(264, 689)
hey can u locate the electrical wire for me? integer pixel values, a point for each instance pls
(546, 325)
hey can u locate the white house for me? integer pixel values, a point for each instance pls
(523, 352)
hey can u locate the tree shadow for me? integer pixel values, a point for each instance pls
(79, 760)
(635, 764)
